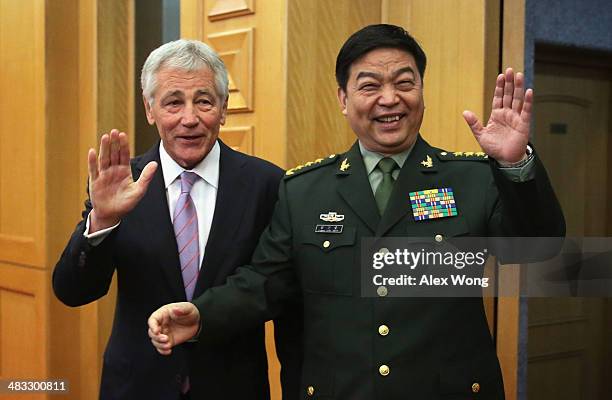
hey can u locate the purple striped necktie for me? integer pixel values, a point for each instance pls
(186, 232)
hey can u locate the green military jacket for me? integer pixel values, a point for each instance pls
(360, 348)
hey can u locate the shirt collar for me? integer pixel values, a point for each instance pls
(371, 158)
(207, 169)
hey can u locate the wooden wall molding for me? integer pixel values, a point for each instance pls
(23, 311)
(22, 250)
(239, 138)
(236, 50)
(223, 9)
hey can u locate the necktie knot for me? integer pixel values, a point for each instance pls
(387, 165)
(187, 180)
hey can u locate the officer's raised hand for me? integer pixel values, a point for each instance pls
(112, 190)
(506, 134)
(173, 324)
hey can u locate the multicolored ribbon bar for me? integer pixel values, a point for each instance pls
(433, 203)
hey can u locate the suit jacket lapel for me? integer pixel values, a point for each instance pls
(233, 189)
(415, 175)
(155, 205)
(355, 189)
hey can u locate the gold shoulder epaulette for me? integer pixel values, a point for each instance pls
(462, 156)
(309, 166)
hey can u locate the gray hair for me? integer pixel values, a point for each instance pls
(188, 55)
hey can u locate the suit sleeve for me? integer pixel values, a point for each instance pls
(256, 292)
(84, 272)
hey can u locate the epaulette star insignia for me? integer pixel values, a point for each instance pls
(462, 156)
(310, 165)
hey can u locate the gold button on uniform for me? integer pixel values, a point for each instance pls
(310, 390)
(475, 387)
(383, 330)
(381, 291)
(383, 370)
(438, 238)
(326, 243)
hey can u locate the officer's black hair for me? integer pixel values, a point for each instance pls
(375, 37)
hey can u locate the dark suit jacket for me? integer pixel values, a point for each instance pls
(433, 348)
(143, 251)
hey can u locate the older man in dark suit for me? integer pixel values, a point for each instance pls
(174, 222)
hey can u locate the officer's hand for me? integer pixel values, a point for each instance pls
(173, 324)
(507, 132)
(112, 190)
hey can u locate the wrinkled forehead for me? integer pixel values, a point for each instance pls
(183, 80)
(383, 60)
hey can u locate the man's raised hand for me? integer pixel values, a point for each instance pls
(112, 190)
(506, 134)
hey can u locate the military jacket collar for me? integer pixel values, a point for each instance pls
(354, 187)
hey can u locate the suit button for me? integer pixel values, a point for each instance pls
(382, 291)
(82, 259)
(475, 387)
(384, 250)
(326, 243)
(383, 330)
(438, 238)
(384, 370)
(310, 391)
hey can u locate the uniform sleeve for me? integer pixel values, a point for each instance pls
(527, 209)
(84, 272)
(256, 292)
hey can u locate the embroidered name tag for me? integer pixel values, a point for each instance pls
(433, 203)
(328, 229)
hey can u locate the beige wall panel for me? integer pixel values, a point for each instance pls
(22, 138)
(513, 50)
(456, 71)
(316, 31)
(23, 328)
(192, 19)
(396, 12)
(267, 78)
(115, 66)
(239, 138)
(236, 50)
(222, 9)
(71, 83)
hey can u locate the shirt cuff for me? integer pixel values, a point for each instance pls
(523, 173)
(96, 238)
(197, 335)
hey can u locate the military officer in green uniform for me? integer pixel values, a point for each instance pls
(383, 347)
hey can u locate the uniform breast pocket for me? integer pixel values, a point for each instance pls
(438, 228)
(326, 261)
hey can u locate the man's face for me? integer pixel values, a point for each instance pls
(188, 113)
(383, 102)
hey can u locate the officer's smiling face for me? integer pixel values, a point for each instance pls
(383, 101)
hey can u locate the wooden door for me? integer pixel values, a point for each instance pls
(567, 336)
